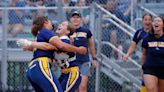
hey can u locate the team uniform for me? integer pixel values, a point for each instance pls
(139, 35)
(39, 71)
(81, 37)
(70, 78)
(154, 62)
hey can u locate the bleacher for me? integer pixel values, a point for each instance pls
(15, 53)
(155, 6)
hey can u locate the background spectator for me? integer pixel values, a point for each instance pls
(1, 15)
(111, 5)
(73, 2)
(50, 3)
(140, 34)
(152, 57)
(85, 12)
(16, 18)
(123, 9)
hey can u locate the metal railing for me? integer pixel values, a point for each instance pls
(106, 61)
(120, 26)
(13, 60)
(147, 10)
(116, 19)
(11, 55)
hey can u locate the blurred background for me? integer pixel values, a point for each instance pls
(112, 22)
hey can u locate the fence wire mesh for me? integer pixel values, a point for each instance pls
(114, 35)
(0, 48)
(19, 20)
(107, 84)
(19, 25)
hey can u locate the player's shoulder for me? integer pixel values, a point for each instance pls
(44, 31)
(64, 37)
(140, 30)
(84, 29)
(148, 38)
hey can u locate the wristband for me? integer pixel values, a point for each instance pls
(94, 58)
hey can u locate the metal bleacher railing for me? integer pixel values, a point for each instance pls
(129, 69)
(120, 74)
(111, 73)
(13, 60)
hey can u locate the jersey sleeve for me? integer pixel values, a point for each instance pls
(66, 41)
(89, 34)
(136, 37)
(145, 43)
(49, 35)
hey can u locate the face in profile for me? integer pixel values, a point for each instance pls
(48, 24)
(62, 28)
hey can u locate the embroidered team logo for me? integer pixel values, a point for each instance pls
(79, 34)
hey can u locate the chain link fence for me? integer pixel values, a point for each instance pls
(18, 21)
(0, 48)
(112, 35)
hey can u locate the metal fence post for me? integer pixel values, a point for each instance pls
(4, 50)
(92, 20)
(98, 31)
(60, 11)
(132, 14)
(142, 2)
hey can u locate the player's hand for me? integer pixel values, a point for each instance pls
(27, 48)
(94, 63)
(82, 50)
(126, 57)
(23, 42)
(72, 40)
(126, 13)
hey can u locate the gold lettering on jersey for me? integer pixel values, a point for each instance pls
(79, 34)
(160, 44)
(156, 44)
(74, 35)
(152, 44)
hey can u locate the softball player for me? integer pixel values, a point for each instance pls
(153, 57)
(39, 71)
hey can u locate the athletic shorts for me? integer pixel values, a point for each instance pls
(41, 77)
(70, 79)
(154, 70)
(85, 69)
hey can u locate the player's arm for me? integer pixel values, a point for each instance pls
(67, 47)
(92, 51)
(43, 46)
(92, 47)
(27, 48)
(130, 7)
(56, 42)
(144, 53)
(144, 50)
(30, 45)
(130, 50)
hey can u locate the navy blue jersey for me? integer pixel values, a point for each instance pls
(70, 56)
(44, 35)
(155, 51)
(81, 37)
(139, 35)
